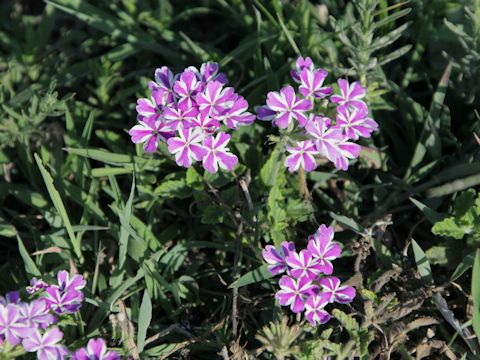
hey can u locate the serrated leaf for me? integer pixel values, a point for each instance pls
(449, 228)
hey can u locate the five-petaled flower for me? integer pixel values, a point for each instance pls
(276, 258)
(293, 292)
(149, 132)
(323, 248)
(303, 264)
(215, 99)
(302, 156)
(11, 325)
(312, 84)
(96, 349)
(37, 314)
(314, 309)
(217, 154)
(332, 287)
(47, 345)
(187, 147)
(351, 94)
(355, 122)
(288, 107)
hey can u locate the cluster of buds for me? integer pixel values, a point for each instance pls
(318, 123)
(308, 284)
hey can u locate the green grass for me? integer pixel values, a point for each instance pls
(165, 243)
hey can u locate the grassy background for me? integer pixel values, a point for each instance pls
(162, 240)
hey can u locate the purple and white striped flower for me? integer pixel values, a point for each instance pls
(300, 65)
(63, 302)
(179, 117)
(293, 292)
(67, 283)
(351, 94)
(323, 248)
(12, 327)
(312, 84)
(314, 309)
(276, 258)
(218, 155)
(37, 314)
(303, 264)
(36, 285)
(237, 114)
(47, 346)
(332, 287)
(187, 147)
(163, 86)
(302, 156)
(215, 99)
(96, 349)
(186, 87)
(288, 107)
(150, 132)
(355, 122)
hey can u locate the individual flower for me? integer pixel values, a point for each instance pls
(215, 99)
(237, 114)
(186, 87)
(150, 133)
(187, 147)
(351, 94)
(355, 122)
(96, 350)
(323, 249)
(47, 345)
(303, 264)
(302, 156)
(276, 258)
(11, 325)
(332, 287)
(178, 117)
(208, 125)
(150, 109)
(300, 65)
(312, 83)
(217, 154)
(288, 107)
(163, 86)
(67, 283)
(36, 314)
(314, 309)
(63, 302)
(36, 285)
(294, 291)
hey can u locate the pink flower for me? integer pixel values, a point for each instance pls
(187, 87)
(332, 287)
(302, 156)
(351, 94)
(276, 258)
(312, 83)
(215, 99)
(209, 72)
(355, 122)
(179, 116)
(150, 109)
(303, 264)
(288, 107)
(205, 123)
(96, 350)
(187, 147)
(323, 249)
(47, 346)
(331, 142)
(67, 283)
(11, 325)
(300, 65)
(293, 292)
(63, 302)
(237, 114)
(37, 314)
(314, 312)
(218, 154)
(149, 132)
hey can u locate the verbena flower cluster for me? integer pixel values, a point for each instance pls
(187, 110)
(308, 285)
(32, 324)
(319, 123)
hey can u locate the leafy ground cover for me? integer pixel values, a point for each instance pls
(172, 257)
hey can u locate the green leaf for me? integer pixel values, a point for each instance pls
(58, 203)
(464, 265)
(348, 222)
(423, 265)
(476, 294)
(448, 227)
(30, 267)
(430, 214)
(259, 274)
(144, 319)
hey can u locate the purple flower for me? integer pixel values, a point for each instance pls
(300, 65)
(149, 109)
(63, 302)
(354, 122)
(187, 147)
(47, 346)
(37, 314)
(303, 264)
(36, 285)
(178, 117)
(351, 94)
(293, 292)
(331, 142)
(237, 114)
(215, 99)
(205, 123)
(314, 312)
(149, 132)
(323, 249)
(218, 154)
(96, 350)
(163, 86)
(209, 72)
(302, 156)
(264, 113)
(332, 287)
(288, 107)
(276, 258)
(65, 283)
(12, 297)
(11, 325)
(187, 87)
(312, 84)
